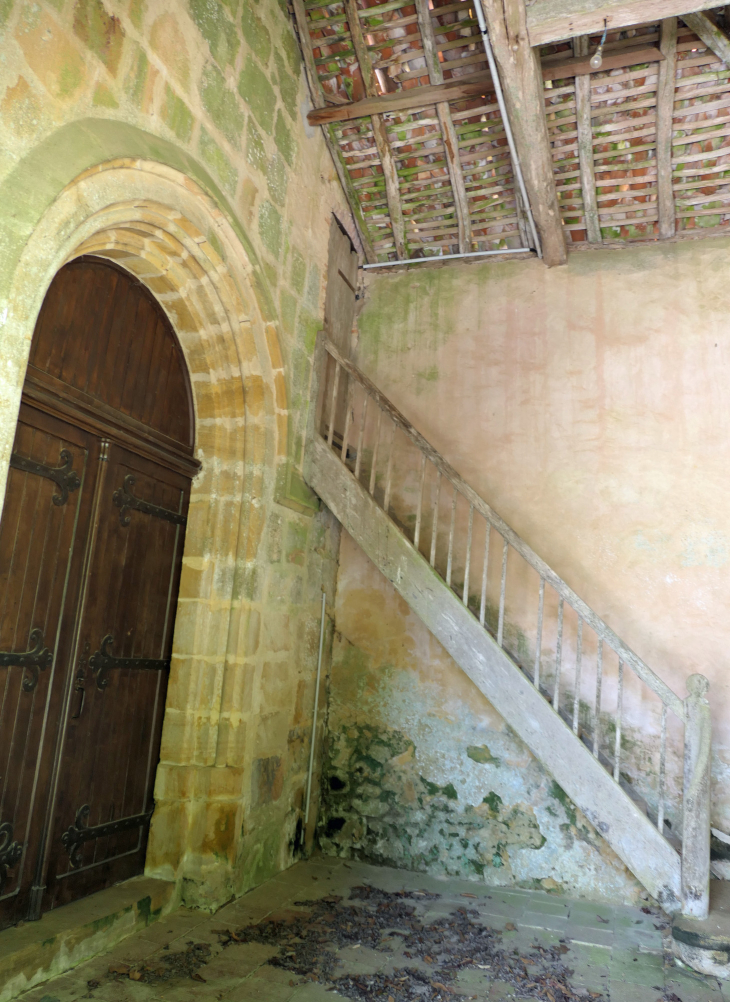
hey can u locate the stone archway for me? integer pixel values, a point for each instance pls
(156, 222)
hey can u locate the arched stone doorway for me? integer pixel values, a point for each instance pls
(159, 225)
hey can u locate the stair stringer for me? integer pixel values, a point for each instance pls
(632, 836)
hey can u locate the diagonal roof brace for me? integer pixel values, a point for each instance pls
(503, 22)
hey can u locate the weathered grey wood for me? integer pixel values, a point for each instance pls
(361, 49)
(696, 800)
(545, 572)
(403, 100)
(392, 188)
(521, 77)
(318, 100)
(456, 175)
(451, 145)
(385, 153)
(551, 20)
(428, 40)
(664, 115)
(480, 83)
(629, 832)
(581, 66)
(585, 146)
(340, 302)
(713, 36)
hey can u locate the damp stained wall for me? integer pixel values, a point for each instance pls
(588, 405)
(421, 772)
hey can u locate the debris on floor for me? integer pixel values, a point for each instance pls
(183, 964)
(374, 918)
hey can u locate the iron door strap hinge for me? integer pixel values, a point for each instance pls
(124, 500)
(10, 852)
(64, 476)
(103, 661)
(79, 832)
(36, 660)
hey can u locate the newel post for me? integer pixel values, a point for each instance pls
(696, 806)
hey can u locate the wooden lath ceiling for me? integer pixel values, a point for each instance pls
(434, 178)
(647, 136)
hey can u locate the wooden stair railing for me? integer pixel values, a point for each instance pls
(631, 754)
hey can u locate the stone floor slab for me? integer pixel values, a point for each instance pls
(620, 957)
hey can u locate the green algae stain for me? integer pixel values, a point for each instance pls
(493, 802)
(376, 807)
(559, 794)
(482, 755)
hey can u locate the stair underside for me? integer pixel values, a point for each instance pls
(654, 862)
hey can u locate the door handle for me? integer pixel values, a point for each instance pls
(80, 680)
(79, 687)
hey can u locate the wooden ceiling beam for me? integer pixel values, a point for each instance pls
(555, 20)
(480, 83)
(521, 78)
(387, 160)
(448, 132)
(713, 37)
(664, 127)
(584, 128)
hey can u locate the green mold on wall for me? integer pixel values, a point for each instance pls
(375, 807)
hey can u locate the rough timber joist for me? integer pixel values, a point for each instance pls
(638, 150)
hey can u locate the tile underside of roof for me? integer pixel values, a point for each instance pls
(430, 190)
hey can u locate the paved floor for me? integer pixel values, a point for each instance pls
(616, 953)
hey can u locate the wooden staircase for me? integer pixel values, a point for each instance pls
(470, 578)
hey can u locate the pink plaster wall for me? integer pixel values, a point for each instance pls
(590, 406)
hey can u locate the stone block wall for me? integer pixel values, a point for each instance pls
(170, 136)
(222, 83)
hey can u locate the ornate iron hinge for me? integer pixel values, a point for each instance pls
(124, 499)
(79, 832)
(10, 852)
(36, 660)
(64, 477)
(103, 660)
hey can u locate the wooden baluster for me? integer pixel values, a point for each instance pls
(450, 557)
(419, 509)
(435, 520)
(619, 712)
(361, 435)
(558, 655)
(538, 642)
(375, 452)
(597, 713)
(502, 592)
(485, 569)
(333, 404)
(576, 683)
(467, 564)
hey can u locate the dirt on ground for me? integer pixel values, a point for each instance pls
(308, 936)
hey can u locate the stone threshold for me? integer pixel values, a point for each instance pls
(33, 952)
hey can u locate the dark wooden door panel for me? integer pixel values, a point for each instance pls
(126, 639)
(46, 509)
(101, 333)
(90, 554)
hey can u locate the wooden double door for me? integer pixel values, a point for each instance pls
(91, 544)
